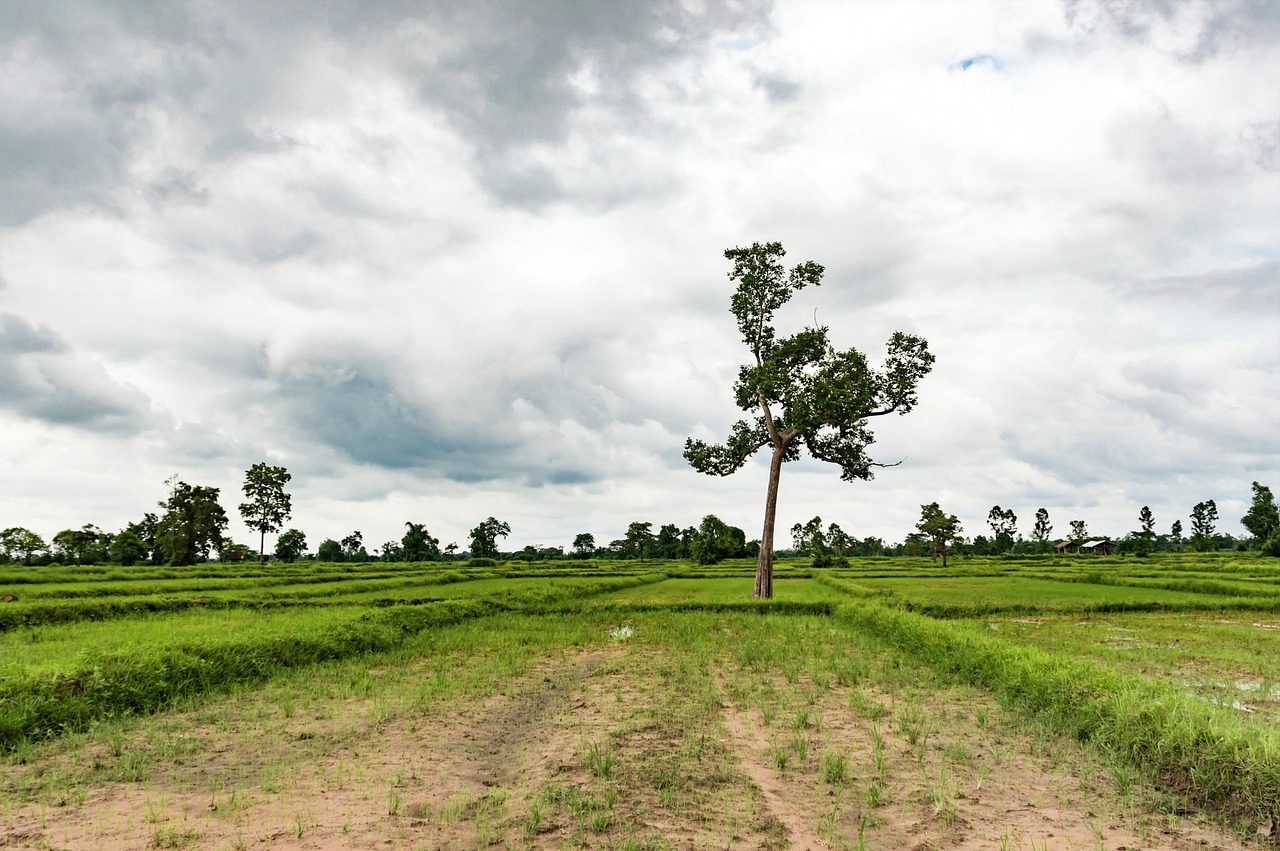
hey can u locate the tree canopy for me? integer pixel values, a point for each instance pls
(801, 391)
(938, 527)
(192, 524)
(268, 507)
(484, 537)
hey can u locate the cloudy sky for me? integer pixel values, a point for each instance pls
(445, 261)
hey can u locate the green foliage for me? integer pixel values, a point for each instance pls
(17, 542)
(86, 545)
(1263, 518)
(1042, 530)
(1004, 526)
(484, 537)
(714, 541)
(938, 527)
(418, 544)
(827, 548)
(801, 390)
(290, 546)
(127, 548)
(482, 561)
(1146, 537)
(268, 506)
(193, 522)
(1203, 517)
(329, 551)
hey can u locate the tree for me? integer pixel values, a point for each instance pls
(668, 543)
(1004, 525)
(714, 541)
(1146, 537)
(290, 546)
(1263, 518)
(146, 530)
(17, 541)
(127, 548)
(329, 550)
(390, 551)
(802, 391)
(418, 543)
(1203, 517)
(192, 524)
(86, 545)
(584, 544)
(1175, 535)
(826, 548)
(938, 527)
(450, 551)
(484, 538)
(268, 506)
(1040, 533)
(353, 547)
(1078, 532)
(639, 540)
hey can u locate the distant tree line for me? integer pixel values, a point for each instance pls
(190, 527)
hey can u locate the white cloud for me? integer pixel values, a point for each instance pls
(442, 271)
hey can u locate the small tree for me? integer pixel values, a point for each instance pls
(353, 547)
(639, 540)
(127, 548)
(418, 544)
(1004, 525)
(1078, 532)
(484, 538)
(1263, 518)
(192, 524)
(584, 544)
(268, 505)
(1146, 537)
(1175, 535)
(938, 527)
(802, 391)
(1041, 531)
(714, 541)
(329, 551)
(1203, 517)
(290, 546)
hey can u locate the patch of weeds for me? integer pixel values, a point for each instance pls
(171, 837)
(835, 768)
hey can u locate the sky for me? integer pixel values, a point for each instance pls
(448, 261)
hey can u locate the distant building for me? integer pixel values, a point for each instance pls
(1101, 547)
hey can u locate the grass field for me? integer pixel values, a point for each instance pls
(1046, 704)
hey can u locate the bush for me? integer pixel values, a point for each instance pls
(1272, 546)
(482, 562)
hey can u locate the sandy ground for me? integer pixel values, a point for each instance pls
(617, 747)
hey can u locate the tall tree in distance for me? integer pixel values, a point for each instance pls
(268, 506)
(418, 544)
(1041, 531)
(1263, 518)
(939, 527)
(1175, 535)
(290, 546)
(484, 538)
(1004, 525)
(192, 524)
(801, 391)
(639, 540)
(1203, 518)
(1147, 534)
(584, 544)
(1078, 532)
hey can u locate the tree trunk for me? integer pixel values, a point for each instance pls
(764, 567)
(262, 542)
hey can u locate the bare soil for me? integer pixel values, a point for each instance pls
(614, 746)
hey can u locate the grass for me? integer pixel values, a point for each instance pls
(842, 679)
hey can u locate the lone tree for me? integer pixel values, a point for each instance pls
(1146, 538)
(1263, 518)
(269, 506)
(939, 527)
(1043, 528)
(1203, 518)
(484, 538)
(192, 524)
(1004, 525)
(802, 391)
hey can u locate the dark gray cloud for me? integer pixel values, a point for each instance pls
(43, 378)
(80, 82)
